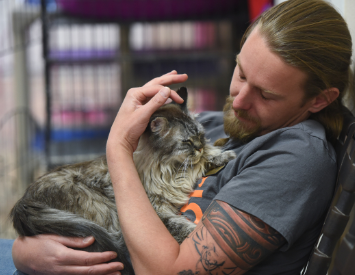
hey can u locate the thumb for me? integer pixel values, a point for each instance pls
(157, 101)
(76, 242)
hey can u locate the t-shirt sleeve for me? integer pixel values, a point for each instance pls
(213, 125)
(286, 180)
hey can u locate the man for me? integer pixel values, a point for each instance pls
(262, 213)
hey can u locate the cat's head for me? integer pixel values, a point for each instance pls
(174, 134)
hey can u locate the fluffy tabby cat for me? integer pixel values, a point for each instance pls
(78, 200)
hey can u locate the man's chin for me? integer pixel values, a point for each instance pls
(240, 129)
(238, 124)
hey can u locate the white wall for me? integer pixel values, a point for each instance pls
(347, 9)
(348, 13)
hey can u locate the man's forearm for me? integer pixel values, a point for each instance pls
(151, 246)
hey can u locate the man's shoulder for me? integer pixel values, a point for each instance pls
(306, 130)
(312, 128)
(309, 134)
(210, 119)
(305, 140)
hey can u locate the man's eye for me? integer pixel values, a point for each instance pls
(242, 77)
(263, 96)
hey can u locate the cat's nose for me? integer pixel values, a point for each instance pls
(197, 145)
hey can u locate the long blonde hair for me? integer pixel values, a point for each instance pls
(313, 37)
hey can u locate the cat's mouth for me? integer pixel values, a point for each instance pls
(198, 154)
(190, 158)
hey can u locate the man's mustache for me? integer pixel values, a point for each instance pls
(240, 113)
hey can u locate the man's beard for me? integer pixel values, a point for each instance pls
(236, 128)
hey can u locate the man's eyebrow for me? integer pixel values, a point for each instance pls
(271, 92)
(239, 65)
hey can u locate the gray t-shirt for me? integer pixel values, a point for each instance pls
(285, 178)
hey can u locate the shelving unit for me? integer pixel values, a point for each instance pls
(77, 129)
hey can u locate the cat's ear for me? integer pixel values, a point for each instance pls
(158, 124)
(182, 92)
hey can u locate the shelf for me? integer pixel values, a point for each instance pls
(109, 56)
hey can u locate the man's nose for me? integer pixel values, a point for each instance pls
(244, 98)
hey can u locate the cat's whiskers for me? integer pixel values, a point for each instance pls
(181, 173)
(186, 163)
(189, 158)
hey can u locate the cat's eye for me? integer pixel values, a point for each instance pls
(187, 141)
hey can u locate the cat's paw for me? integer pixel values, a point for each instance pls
(223, 158)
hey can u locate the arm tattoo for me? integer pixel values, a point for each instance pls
(209, 261)
(245, 240)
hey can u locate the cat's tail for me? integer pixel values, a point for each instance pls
(33, 218)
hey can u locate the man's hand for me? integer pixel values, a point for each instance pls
(50, 254)
(138, 106)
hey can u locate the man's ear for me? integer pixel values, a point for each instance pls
(324, 99)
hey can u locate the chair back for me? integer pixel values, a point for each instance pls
(342, 204)
(345, 256)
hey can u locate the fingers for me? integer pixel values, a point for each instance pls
(48, 255)
(152, 91)
(168, 79)
(174, 96)
(159, 98)
(74, 242)
(108, 268)
(83, 258)
(142, 95)
(78, 257)
(70, 261)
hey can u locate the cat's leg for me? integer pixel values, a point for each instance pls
(216, 157)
